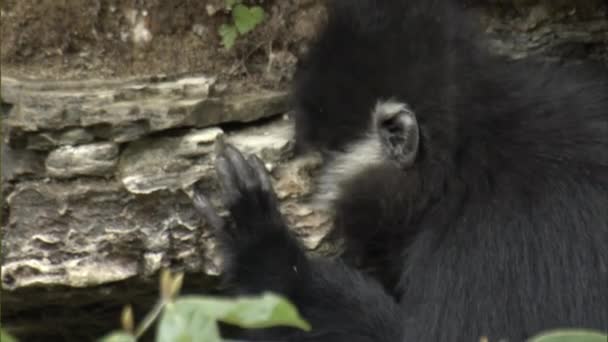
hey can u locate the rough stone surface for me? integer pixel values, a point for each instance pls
(177, 162)
(553, 40)
(56, 105)
(48, 140)
(93, 231)
(96, 159)
(89, 232)
(21, 164)
(45, 112)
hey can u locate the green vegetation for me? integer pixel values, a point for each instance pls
(4, 337)
(244, 19)
(195, 318)
(571, 335)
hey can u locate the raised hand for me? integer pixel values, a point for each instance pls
(256, 244)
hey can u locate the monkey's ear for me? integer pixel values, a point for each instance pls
(398, 131)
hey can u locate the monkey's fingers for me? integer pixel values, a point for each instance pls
(246, 176)
(229, 182)
(220, 145)
(235, 173)
(262, 175)
(204, 207)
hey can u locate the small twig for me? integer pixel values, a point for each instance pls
(150, 318)
(270, 58)
(243, 60)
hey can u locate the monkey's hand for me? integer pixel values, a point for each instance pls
(257, 247)
(246, 191)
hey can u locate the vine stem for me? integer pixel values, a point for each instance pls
(150, 318)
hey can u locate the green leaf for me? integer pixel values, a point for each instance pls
(247, 18)
(571, 335)
(5, 337)
(264, 311)
(186, 323)
(117, 336)
(228, 34)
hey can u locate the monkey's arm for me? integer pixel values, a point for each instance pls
(261, 255)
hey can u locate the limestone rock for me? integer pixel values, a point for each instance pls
(91, 231)
(173, 163)
(125, 110)
(54, 105)
(169, 163)
(48, 140)
(97, 159)
(21, 163)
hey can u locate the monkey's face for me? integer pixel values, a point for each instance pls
(338, 83)
(362, 58)
(391, 144)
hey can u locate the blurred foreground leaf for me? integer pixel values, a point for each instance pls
(117, 337)
(194, 318)
(188, 323)
(5, 337)
(571, 335)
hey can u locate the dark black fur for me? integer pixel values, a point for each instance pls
(340, 303)
(500, 228)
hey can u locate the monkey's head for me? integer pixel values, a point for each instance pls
(369, 51)
(376, 90)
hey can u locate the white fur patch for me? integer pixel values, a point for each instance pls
(345, 165)
(389, 108)
(357, 157)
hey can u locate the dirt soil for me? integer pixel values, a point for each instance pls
(78, 39)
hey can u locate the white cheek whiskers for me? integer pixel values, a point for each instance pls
(345, 165)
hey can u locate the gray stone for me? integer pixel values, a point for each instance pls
(242, 107)
(97, 159)
(88, 232)
(548, 30)
(49, 140)
(125, 110)
(85, 232)
(20, 163)
(197, 142)
(173, 163)
(123, 133)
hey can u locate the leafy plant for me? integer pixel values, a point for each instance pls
(5, 337)
(571, 335)
(244, 19)
(119, 336)
(195, 318)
